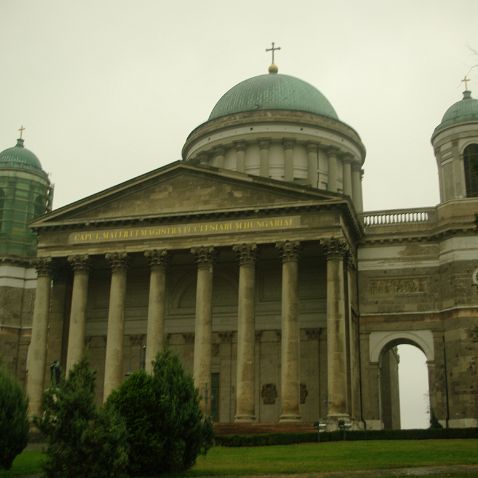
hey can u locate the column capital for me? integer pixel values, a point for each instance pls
(332, 151)
(118, 260)
(335, 248)
(157, 257)
(264, 143)
(219, 150)
(79, 263)
(240, 145)
(312, 147)
(347, 158)
(204, 255)
(246, 253)
(289, 250)
(288, 143)
(43, 265)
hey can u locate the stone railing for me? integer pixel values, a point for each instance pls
(399, 216)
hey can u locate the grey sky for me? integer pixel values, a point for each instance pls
(110, 89)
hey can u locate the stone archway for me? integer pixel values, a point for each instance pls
(383, 351)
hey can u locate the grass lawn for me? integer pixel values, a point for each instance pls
(312, 457)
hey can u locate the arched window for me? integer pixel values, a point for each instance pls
(2, 207)
(39, 206)
(470, 156)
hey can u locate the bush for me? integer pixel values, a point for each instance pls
(13, 419)
(165, 427)
(82, 440)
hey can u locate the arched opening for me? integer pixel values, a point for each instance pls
(404, 389)
(470, 158)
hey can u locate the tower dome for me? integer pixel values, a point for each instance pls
(462, 111)
(455, 142)
(25, 193)
(281, 127)
(20, 157)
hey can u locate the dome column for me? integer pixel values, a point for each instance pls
(357, 187)
(264, 158)
(332, 162)
(290, 338)
(36, 358)
(289, 160)
(219, 157)
(312, 159)
(347, 175)
(240, 156)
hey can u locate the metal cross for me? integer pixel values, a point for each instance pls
(466, 80)
(21, 129)
(273, 49)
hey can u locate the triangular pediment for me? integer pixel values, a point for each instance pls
(179, 189)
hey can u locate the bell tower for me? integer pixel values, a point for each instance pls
(455, 142)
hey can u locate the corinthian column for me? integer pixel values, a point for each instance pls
(115, 334)
(203, 326)
(155, 337)
(245, 333)
(290, 344)
(37, 351)
(77, 332)
(336, 250)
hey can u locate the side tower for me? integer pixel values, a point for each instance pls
(25, 193)
(455, 141)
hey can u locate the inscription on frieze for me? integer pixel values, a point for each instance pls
(178, 230)
(398, 286)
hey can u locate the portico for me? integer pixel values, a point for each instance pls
(212, 287)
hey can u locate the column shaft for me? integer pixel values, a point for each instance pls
(332, 180)
(290, 338)
(156, 338)
(264, 161)
(115, 334)
(357, 189)
(203, 326)
(245, 411)
(347, 177)
(336, 335)
(240, 156)
(37, 351)
(313, 165)
(289, 160)
(77, 331)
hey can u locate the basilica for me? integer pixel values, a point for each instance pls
(252, 258)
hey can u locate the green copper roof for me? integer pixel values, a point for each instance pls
(462, 111)
(273, 92)
(19, 157)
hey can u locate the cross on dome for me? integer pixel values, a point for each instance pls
(273, 67)
(21, 129)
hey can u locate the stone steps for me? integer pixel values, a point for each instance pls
(261, 428)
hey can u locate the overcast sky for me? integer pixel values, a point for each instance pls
(110, 89)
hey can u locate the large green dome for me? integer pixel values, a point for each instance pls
(273, 92)
(19, 157)
(462, 111)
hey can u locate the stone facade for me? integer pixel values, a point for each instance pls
(253, 261)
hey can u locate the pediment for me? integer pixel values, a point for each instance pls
(183, 189)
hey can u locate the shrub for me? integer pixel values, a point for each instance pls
(82, 440)
(165, 427)
(13, 419)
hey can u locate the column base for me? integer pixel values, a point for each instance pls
(244, 419)
(338, 422)
(292, 418)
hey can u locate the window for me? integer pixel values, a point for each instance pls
(470, 156)
(39, 206)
